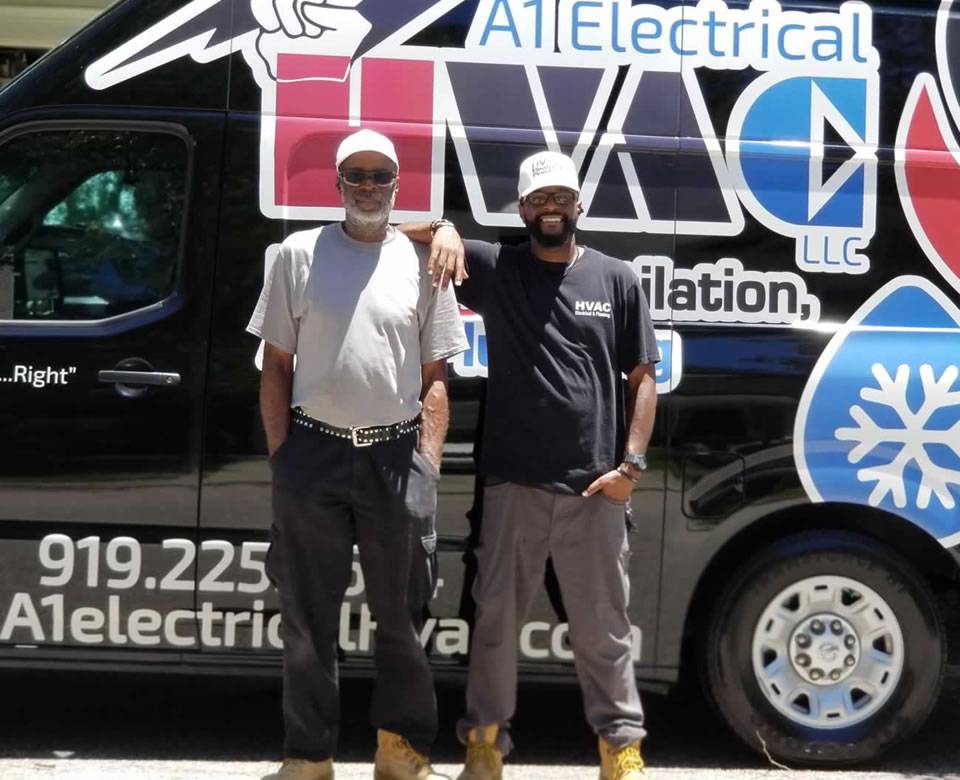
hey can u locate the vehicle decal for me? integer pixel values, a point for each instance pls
(206, 30)
(778, 159)
(117, 591)
(928, 155)
(629, 144)
(879, 420)
(928, 176)
(948, 54)
(39, 377)
(473, 361)
(538, 74)
(669, 371)
(724, 292)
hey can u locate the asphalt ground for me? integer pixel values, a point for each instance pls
(87, 726)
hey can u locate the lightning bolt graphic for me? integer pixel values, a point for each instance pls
(206, 30)
(201, 29)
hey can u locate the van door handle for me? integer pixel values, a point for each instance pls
(133, 377)
(140, 378)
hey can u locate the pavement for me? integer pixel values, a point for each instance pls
(108, 727)
(240, 770)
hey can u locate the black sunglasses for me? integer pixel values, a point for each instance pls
(560, 198)
(357, 176)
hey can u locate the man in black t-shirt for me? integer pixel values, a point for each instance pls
(562, 446)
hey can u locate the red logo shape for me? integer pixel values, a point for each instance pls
(313, 116)
(928, 176)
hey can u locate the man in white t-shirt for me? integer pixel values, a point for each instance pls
(355, 430)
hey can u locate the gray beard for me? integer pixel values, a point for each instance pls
(368, 223)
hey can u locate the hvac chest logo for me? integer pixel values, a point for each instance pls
(879, 421)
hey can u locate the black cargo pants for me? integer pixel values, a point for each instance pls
(327, 496)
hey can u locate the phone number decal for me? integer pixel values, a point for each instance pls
(176, 594)
(123, 559)
(121, 591)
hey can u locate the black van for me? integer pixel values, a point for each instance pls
(782, 177)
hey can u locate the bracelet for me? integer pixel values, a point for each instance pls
(624, 473)
(439, 223)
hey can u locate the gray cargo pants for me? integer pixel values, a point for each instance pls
(587, 540)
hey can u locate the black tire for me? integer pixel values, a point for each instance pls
(727, 664)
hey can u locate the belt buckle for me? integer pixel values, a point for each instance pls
(356, 441)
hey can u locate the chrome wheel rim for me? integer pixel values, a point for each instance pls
(828, 652)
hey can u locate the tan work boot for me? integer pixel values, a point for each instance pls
(299, 769)
(397, 760)
(621, 763)
(484, 758)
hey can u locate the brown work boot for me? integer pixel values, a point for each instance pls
(397, 760)
(484, 758)
(299, 769)
(621, 763)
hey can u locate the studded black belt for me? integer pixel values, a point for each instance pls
(360, 436)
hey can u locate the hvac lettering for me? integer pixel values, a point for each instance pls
(593, 309)
(540, 74)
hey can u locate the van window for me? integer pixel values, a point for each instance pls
(13, 173)
(90, 222)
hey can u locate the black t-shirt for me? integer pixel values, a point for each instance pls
(559, 340)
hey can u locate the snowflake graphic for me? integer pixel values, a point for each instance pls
(913, 435)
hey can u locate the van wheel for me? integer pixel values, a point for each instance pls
(826, 649)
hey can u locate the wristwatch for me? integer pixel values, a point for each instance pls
(639, 462)
(439, 223)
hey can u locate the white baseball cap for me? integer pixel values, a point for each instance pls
(547, 169)
(366, 141)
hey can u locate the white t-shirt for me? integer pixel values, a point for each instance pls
(361, 318)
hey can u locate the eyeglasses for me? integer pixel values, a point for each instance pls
(357, 176)
(561, 198)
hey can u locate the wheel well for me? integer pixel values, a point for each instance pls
(931, 561)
